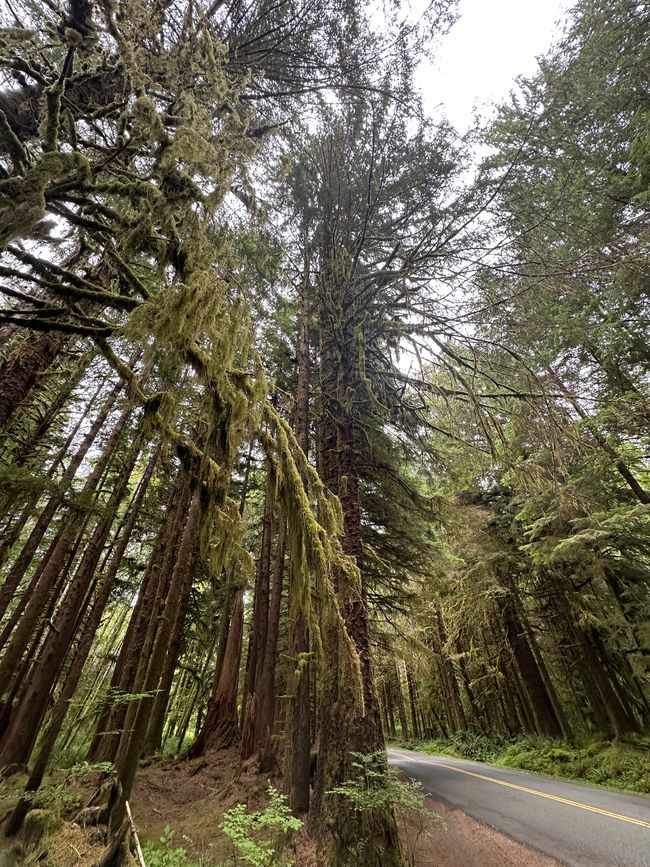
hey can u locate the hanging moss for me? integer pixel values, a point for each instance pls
(22, 200)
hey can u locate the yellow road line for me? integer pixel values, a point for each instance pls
(578, 804)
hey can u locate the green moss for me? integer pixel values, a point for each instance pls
(40, 824)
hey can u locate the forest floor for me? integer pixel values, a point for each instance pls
(184, 803)
(191, 799)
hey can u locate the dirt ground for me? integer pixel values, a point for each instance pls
(458, 840)
(191, 797)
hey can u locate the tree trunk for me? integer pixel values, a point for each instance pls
(413, 704)
(259, 629)
(30, 547)
(113, 713)
(449, 677)
(153, 739)
(220, 727)
(349, 721)
(20, 371)
(39, 598)
(265, 688)
(297, 760)
(75, 670)
(132, 741)
(533, 684)
(19, 739)
(401, 707)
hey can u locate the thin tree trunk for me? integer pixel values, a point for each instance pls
(132, 742)
(106, 738)
(39, 598)
(30, 547)
(401, 707)
(631, 480)
(449, 676)
(413, 703)
(144, 636)
(153, 738)
(62, 704)
(297, 761)
(19, 739)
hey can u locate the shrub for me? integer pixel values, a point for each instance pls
(166, 854)
(258, 838)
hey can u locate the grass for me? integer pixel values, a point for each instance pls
(617, 765)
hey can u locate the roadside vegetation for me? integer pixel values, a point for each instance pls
(615, 765)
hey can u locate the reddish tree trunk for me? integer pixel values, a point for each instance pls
(220, 727)
(265, 688)
(132, 741)
(41, 594)
(81, 655)
(153, 739)
(258, 632)
(130, 668)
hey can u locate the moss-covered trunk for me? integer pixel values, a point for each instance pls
(20, 372)
(300, 673)
(349, 720)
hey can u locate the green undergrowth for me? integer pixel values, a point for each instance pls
(258, 839)
(615, 765)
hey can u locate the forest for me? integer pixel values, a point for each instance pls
(322, 425)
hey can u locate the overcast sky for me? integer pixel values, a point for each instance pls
(491, 43)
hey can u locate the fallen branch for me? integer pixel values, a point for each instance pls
(138, 850)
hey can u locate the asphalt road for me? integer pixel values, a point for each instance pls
(579, 825)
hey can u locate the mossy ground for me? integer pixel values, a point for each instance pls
(615, 765)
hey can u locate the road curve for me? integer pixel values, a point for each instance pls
(579, 825)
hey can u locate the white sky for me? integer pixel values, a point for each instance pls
(492, 42)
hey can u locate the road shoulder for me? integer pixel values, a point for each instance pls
(461, 841)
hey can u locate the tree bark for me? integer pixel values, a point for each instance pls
(26, 555)
(349, 722)
(132, 742)
(18, 740)
(265, 688)
(33, 355)
(75, 670)
(534, 685)
(135, 655)
(297, 760)
(41, 594)
(258, 632)
(221, 725)
(153, 738)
